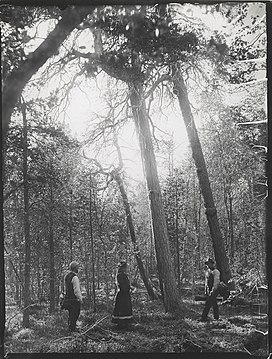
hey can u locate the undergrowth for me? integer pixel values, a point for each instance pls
(154, 331)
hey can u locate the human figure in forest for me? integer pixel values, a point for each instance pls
(122, 313)
(212, 282)
(73, 296)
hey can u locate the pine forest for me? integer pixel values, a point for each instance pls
(134, 143)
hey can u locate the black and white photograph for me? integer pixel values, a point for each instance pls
(134, 178)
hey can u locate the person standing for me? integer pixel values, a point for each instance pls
(73, 296)
(211, 290)
(122, 313)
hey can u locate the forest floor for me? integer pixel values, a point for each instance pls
(154, 331)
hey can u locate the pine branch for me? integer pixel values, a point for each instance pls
(251, 122)
(165, 77)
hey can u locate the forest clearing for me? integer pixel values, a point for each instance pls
(134, 179)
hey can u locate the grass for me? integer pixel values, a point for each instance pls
(156, 331)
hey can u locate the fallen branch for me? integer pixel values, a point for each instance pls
(57, 340)
(113, 334)
(247, 351)
(94, 325)
(84, 333)
(89, 337)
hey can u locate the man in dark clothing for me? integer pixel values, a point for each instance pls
(211, 290)
(73, 296)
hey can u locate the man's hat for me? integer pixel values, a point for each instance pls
(73, 265)
(210, 261)
(122, 264)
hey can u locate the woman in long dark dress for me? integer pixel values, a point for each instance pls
(122, 314)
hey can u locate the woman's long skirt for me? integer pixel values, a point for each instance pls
(122, 314)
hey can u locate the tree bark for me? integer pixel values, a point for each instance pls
(232, 243)
(107, 287)
(92, 249)
(2, 289)
(51, 253)
(17, 79)
(211, 213)
(164, 262)
(71, 225)
(26, 223)
(177, 237)
(86, 256)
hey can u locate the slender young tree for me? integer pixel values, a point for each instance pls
(51, 245)
(71, 224)
(92, 246)
(26, 220)
(115, 174)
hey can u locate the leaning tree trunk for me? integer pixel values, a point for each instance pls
(164, 258)
(26, 223)
(211, 213)
(18, 78)
(130, 224)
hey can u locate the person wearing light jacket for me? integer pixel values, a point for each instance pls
(73, 295)
(211, 290)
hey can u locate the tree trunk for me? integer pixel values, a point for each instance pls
(164, 262)
(198, 229)
(151, 255)
(245, 245)
(71, 225)
(232, 243)
(21, 293)
(130, 224)
(211, 213)
(107, 284)
(18, 78)
(38, 280)
(51, 253)
(92, 249)
(2, 293)
(26, 223)
(177, 238)
(228, 205)
(86, 256)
